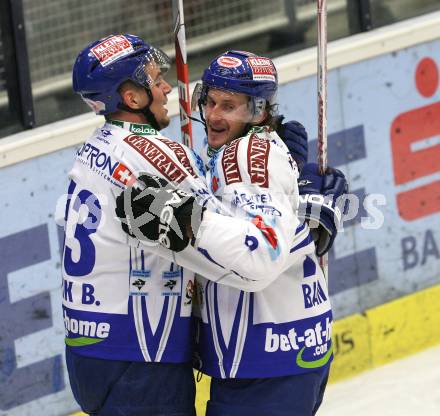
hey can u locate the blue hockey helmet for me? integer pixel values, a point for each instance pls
(241, 72)
(105, 64)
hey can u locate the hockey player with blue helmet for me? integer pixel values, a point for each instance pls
(105, 66)
(232, 73)
(126, 305)
(248, 84)
(268, 352)
(258, 347)
(131, 364)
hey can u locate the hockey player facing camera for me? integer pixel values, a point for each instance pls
(268, 352)
(127, 303)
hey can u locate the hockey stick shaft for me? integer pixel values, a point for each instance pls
(322, 85)
(322, 100)
(182, 73)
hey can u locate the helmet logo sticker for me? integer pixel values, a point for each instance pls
(229, 61)
(112, 49)
(262, 69)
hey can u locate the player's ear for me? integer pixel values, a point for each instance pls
(132, 96)
(130, 99)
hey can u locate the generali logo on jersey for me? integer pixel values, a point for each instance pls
(230, 163)
(258, 156)
(111, 49)
(179, 151)
(157, 157)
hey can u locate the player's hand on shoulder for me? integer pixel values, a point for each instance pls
(156, 212)
(322, 203)
(295, 137)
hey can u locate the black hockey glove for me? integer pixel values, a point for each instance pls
(159, 213)
(321, 203)
(295, 137)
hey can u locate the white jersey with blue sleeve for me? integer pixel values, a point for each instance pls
(123, 300)
(286, 327)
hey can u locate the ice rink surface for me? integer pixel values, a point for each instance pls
(408, 387)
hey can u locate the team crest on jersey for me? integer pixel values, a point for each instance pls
(111, 49)
(172, 283)
(156, 157)
(140, 282)
(231, 170)
(258, 157)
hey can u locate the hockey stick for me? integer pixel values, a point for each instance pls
(182, 73)
(322, 100)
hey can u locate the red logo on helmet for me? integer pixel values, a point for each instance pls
(262, 68)
(111, 49)
(229, 61)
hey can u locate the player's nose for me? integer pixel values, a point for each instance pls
(215, 114)
(166, 87)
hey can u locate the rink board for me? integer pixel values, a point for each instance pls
(384, 134)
